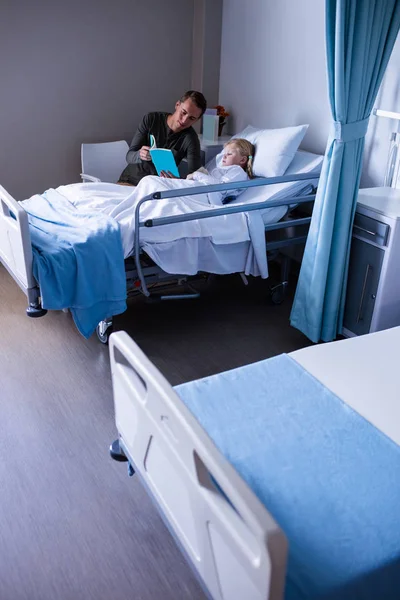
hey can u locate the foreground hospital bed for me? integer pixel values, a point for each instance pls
(150, 264)
(279, 479)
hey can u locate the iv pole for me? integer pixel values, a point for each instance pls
(392, 167)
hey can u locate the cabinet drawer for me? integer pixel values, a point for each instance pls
(370, 229)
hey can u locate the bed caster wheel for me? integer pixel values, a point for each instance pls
(278, 294)
(35, 312)
(103, 331)
(116, 453)
(119, 455)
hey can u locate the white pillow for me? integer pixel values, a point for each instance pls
(275, 148)
(303, 162)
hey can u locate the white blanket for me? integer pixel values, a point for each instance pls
(120, 202)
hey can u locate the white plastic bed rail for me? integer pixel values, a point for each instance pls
(15, 241)
(235, 546)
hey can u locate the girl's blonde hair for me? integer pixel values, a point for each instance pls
(245, 149)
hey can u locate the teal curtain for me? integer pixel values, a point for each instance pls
(360, 35)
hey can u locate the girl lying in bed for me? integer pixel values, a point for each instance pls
(237, 157)
(236, 165)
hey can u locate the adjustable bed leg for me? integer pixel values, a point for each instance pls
(34, 304)
(104, 330)
(285, 269)
(278, 291)
(118, 454)
(35, 311)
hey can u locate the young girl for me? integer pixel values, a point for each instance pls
(237, 153)
(236, 165)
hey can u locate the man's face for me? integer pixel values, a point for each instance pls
(186, 114)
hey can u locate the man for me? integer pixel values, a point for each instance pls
(173, 131)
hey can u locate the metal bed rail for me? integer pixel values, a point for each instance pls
(224, 210)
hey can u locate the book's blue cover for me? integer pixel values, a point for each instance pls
(163, 160)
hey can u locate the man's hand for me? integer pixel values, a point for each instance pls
(168, 175)
(144, 153)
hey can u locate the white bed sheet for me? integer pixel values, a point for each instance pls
(221, 245)
(201, 254)
(363, 372)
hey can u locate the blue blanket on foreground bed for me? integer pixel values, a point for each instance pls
(78, 260)
(329, 478)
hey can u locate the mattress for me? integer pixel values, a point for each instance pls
(326, 474)
(363, 372)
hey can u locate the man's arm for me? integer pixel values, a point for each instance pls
(140, 139)
(193, 154)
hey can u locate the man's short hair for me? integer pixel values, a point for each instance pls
(197, 98)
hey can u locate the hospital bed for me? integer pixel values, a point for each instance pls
(143, 275)
(279, 479)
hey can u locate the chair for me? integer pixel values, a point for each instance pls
(103, 162)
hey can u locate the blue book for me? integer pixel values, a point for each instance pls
(163, 159)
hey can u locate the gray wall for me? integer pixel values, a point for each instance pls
(273, 74)
(207, 49)
(212, 49)
(273, 66)
(83, 70)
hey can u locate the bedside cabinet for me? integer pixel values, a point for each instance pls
(211, 149)
(373, 288)
(208, 151)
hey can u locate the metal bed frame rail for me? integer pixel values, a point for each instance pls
(225, 210)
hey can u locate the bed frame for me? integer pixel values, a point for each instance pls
(16, 248)
(234, 545)
(230, 539)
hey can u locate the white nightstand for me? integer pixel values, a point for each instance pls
(211, 149)
(208, 151)
(373, 289)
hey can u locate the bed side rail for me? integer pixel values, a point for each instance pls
(224, 210)
(234, 544)
(15, 241)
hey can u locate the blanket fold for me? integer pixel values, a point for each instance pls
(78, 260)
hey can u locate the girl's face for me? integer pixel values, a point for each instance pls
(232, 156)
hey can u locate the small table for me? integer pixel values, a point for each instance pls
(208, 149)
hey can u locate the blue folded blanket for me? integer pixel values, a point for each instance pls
(78, 260)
